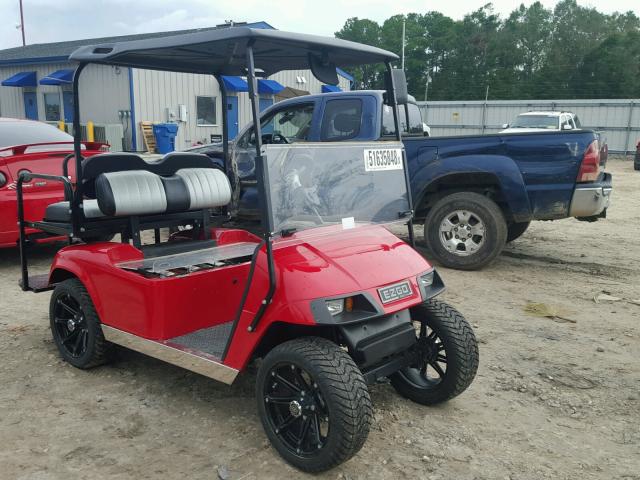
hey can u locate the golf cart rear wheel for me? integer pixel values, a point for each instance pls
(76, 327)
(449, 356)
(313, 403)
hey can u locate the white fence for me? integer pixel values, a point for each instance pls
(618, 120)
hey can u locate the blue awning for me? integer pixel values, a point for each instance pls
(235, 84)
(269, 87)
(22, 79)
(330, 88)
(59, 77)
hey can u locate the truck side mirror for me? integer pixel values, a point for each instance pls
(400, 84)
(505, 125)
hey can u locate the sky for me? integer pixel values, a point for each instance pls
(57, 20)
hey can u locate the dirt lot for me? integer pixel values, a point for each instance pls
(553, 398)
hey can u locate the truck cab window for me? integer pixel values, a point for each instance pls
(289, 125)
(410, 120)
(341, 120)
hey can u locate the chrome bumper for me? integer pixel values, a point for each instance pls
(591, 199)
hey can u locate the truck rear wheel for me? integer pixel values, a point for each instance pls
(516, 230)
(75, 326)
(313, 403)
(465, 230)
(449, 354)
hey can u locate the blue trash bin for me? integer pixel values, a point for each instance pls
(165, 134)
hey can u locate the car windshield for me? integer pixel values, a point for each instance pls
(315, 185)
(535, 121)
(22, 132)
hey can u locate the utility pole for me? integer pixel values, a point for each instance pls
(403, 30)
(484, 110)
(426, 87)
(22, 24)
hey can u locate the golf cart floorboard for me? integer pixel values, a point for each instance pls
(39, 283)
(211, 340)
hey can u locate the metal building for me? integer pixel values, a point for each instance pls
(36, 84)
(618, 120)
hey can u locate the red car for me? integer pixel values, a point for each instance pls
(35, 147)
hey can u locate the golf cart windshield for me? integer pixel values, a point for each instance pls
(316, 185)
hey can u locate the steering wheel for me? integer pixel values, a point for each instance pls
(278, 138)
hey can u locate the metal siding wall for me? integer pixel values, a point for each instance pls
(609, 116)
(102, 92)
(156, 91)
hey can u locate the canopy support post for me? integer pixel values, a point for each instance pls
(262, 173)
(225, 131)
(391, 94)
(76, 200)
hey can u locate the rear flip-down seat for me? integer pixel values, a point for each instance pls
(61, 211)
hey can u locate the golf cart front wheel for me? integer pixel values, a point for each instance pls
(448, 356)
(313, 403)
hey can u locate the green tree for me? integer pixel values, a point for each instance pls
(568, 52)
(367, 32)
(612, 69)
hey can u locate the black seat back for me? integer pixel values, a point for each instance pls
(92, 167)
(168, 165)
(174, 161)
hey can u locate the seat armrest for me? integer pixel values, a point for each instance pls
(28, 176)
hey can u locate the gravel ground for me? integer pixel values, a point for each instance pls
(554, 397)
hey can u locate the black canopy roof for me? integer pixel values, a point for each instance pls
(222, 52)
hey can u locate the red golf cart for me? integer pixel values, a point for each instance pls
(320, 291)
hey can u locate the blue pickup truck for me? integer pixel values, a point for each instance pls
(473, 193)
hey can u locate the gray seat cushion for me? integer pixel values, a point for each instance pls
(208, 187)
(60, 211)
(135, 192)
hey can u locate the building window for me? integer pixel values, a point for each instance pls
(206, 110)
(52, 108)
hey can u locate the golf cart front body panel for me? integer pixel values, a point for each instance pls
(311, 268)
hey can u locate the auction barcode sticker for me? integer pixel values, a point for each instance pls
(378, 159)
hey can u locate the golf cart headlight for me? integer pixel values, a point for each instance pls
(426, 280)
(335, 307)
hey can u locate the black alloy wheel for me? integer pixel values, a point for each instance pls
(70, 325)
(75, 326)
(296, 410)
(313, 403)
(447, 355)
